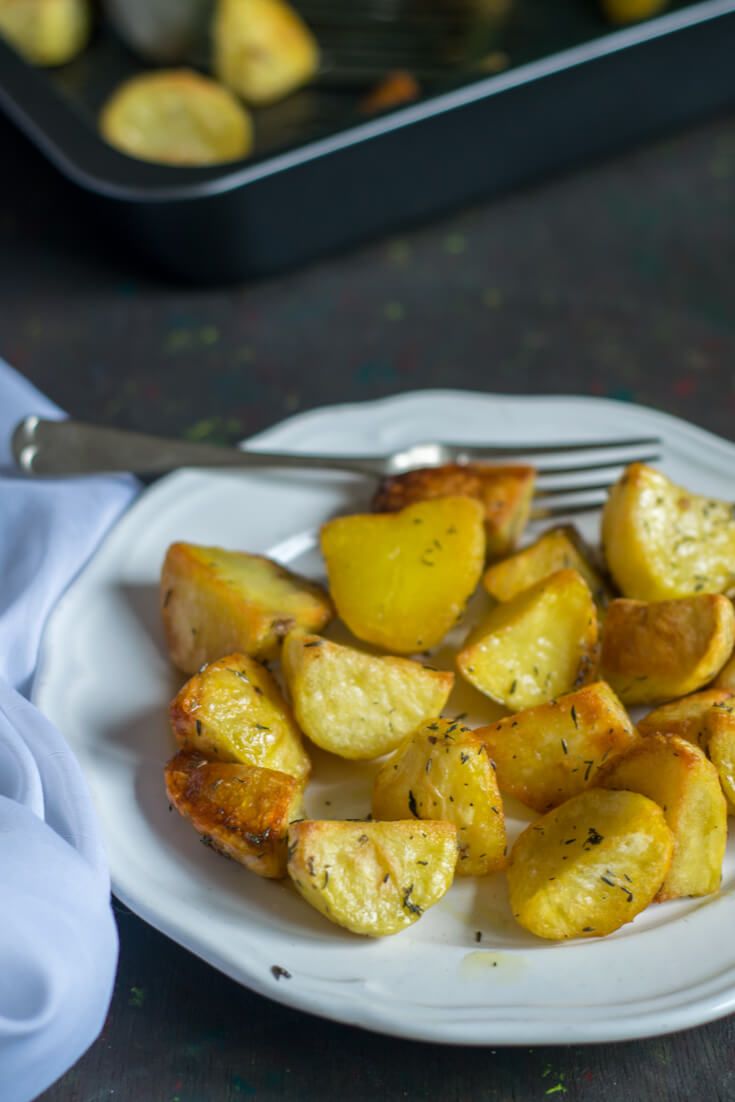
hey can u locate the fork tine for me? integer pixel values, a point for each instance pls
(548, 512)
(607, 464)
(477, 452)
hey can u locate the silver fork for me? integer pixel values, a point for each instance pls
(572, 477)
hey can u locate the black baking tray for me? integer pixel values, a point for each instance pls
(325, 177)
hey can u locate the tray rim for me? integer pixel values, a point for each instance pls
(111, 174)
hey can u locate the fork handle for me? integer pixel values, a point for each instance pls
(43, 447)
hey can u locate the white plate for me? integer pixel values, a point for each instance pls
(105, 681)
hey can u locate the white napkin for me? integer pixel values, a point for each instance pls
(58, 942)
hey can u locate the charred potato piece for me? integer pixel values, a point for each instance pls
(662, 542)
(233, 710)
(505, 494)
(262, 49)
(706, 719)
(558, 549)
(678, 776)
(176, 117)
(401, 580)
(541, 643)
(444, 772)
(655, 651)
(354, 704)
(372, 878)
(216, 602)
(547, 754)
(240, 811)
(46, 32)
(589, 866)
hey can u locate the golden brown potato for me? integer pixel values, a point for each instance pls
(444, 772)
(505, 494)
(233, 710)
(589, 866)
(541, 643)
(216, 602)
(726, 677)
(354, 704)
(401, 580)
(262, 49)
(706, 719)
(372, 878)
(685, 717)
(557, 549)
(46, 32)
(547, 754)
(176, 117)
(662, 542)
(678, 776)
(241, 811)
(658, 650)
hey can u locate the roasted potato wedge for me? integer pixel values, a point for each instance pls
(262, 49)
(444, 772)
(354, 704)
(541, 643)
(662, 542)
(401, 580)
(372, 878)
(726, 677)
(233, 710)
(706, 719)
(547, 754)
(589, 866)
(685, 717)
(176, 117)
(658, 650)
(216, 602)
(505, 494)
(678, 776)
(240, 810)
(46, 32)
(557, 549)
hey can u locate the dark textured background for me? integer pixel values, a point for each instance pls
(615, 280)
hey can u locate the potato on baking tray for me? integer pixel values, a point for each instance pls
(263, 49)
(233, 710)
(660, 541)
(444, 772)
(541, 643)
(655, 651)
(560, 548)
(372, 878)
(176, 117)
(216, 602)
(505, 493)
(354, 704)
(678, 776)
(706, 719)
(401, 580)
(547, 754)
(241, 811)
(46, 32)
(590, 865)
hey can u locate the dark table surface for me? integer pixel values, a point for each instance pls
(618, 280)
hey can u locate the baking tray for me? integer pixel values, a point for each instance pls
(325, 177)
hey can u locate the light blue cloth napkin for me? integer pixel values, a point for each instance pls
(58, 942)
